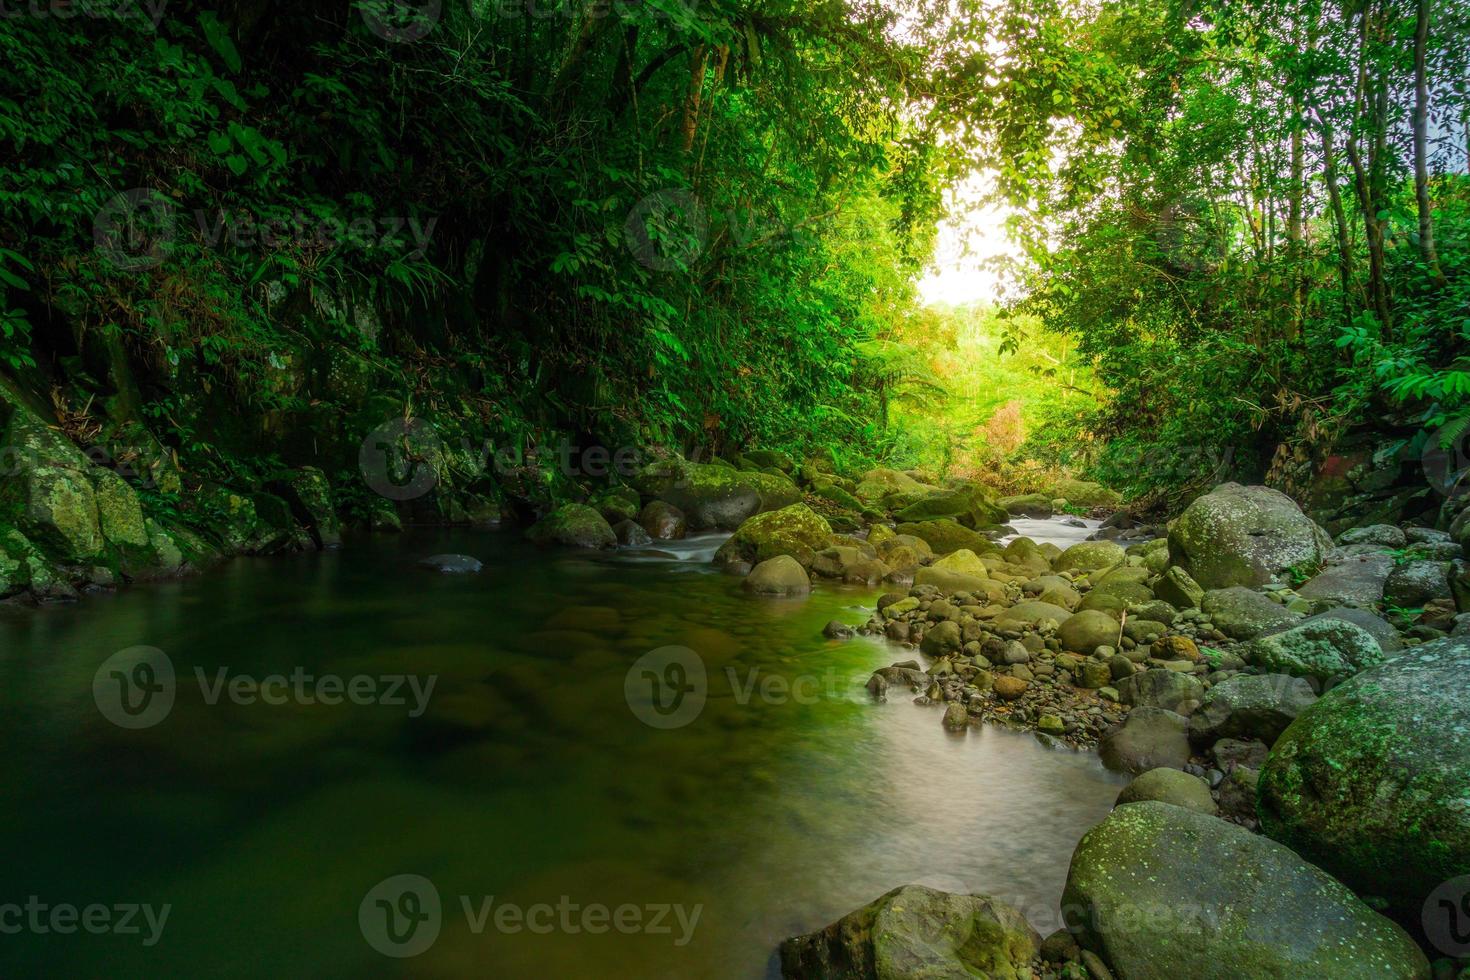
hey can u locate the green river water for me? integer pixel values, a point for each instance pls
(531, 782)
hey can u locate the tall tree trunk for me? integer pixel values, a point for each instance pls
(1294, 250)
(1421, 150)
(1366, 179)
(691, 101)
(1339, 221)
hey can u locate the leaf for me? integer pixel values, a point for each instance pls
(219, 38)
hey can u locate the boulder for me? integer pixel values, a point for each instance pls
(1177, 588)
(942, 639)
(630, 534)
(795, 530)
(1328, 649)
(1355, 580)
(1381, 534)
(1371, 782)
(972, 506)
(310, 495)
(1244, 536)
(946, 535)
(1173, 786)
(915, 932)
(1028, 505)
(1415, 584)
(56, 509)
(1084, 632)
(782, 575)
(573, 525)
(1244, 614)
(1090, 556)
(1163, 893)
(1085, 493)
(878, 485)
(1148, 739)
(1034, 613)
(1167, 689)
(949, 582)
(714, 497)
(964, 561)
(1250, 706)
(663, 521)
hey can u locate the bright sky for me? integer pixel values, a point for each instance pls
(969, 238)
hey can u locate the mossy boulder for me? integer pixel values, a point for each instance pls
(1176, 587)
(917, 932)
(1255, 707)
(24, 569)
(1244, 614)
(945, 535)
(663, 521)
(714, 497)
(1161, 893)
(1372, 781)
(1173, 786)
(56, 508)
(793, 530)
(1247, 536)
(573, 525)
(310, 496)
(1090, 556)
(972, 506)
(1085, 493)
(879, 486)
(1329, 650)
(1148, 739)
(1084, 632)
(781, 575)
(1027, 505)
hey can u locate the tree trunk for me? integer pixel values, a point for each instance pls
(1421, 151)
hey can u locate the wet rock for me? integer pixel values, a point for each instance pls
(1165, 689)
(779, 576)
(796, 531)
(1163, 893)
(451, 564)
(1169, 786)
(914, 931)
(630, 534)
(1244, 614)
(837, 631)
(1250, 706)
(1244, 536)
(1148, 739)
(663, 521)
(1328, 650)
(714, 497)
(1090, 556)
(1084, 632)
(573, 525)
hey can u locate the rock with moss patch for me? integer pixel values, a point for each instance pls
(1162, 893)
(795, 530)
(1250, 706)
(1172, 786)
(1147, 739)
(1090, 556)
(779, 576)
(1244, 614)
(1329, 650)
(714, 497)
(971, 506)
(1371, 782)
(663, 521)
(915, 932)
(574, 525)
(1245, 536)
(1085, 631)
(1179, 589)
(946, 535)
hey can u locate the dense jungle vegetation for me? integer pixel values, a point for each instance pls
(699, 224)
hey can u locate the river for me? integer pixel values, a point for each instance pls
(532, 791)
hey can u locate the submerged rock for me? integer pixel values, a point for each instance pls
(1162, 893)
(913, 932)
(451, 564)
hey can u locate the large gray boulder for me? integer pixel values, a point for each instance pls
(1148, 739)
(1249, 536)
(1163, 893)
(1371, 782)
(1328, 649)
(1250, 706)
(1389, 640)
(714, 497)
(1353, 580)
(917, 932)
(1412, 585)
(1244, 614)
(1159, 688)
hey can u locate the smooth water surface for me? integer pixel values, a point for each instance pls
(787, 801)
